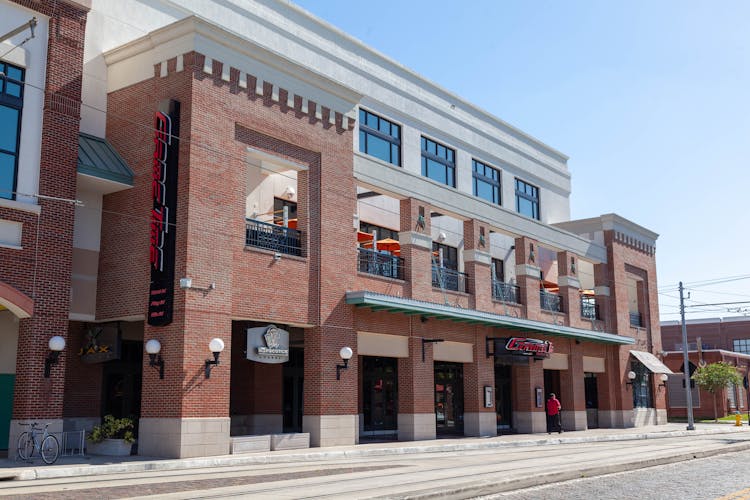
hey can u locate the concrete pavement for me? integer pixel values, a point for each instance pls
(70, 467)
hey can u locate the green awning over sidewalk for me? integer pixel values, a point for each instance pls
(97, 158)
(388, 303)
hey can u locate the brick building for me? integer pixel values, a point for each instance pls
(719, 339)
(268, 181)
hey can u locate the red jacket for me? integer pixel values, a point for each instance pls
(553, 406)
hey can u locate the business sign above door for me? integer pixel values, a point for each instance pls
(520, 346)
(268, 344)
(102, 344)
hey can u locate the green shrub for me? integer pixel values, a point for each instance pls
(113, 428)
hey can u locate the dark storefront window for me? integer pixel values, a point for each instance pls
(641, 386)
(380, 394)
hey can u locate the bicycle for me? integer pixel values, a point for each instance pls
(48, 446)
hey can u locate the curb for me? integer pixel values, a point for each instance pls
(489, 487)
(27, 474)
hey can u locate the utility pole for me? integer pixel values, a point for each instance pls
(686, 365)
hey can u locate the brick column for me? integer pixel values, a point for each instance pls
(527, 275)
(527, 417)
(416, 248)
(479, 420)
(573, 397)
(477, 264)
(602, 296)
(416, 393)
(570, 286)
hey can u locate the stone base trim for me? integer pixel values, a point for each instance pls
(291, 441)
(615, 419)
(574, 420)
(183, 437)
(530, 422)
(253, 424)
(416, 426)
(331, 430)
(482, 424)
(249, 444)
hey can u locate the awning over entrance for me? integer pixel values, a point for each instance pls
(380, 302)
(651, 362)
(97, 158)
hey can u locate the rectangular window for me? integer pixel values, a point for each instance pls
(278, 210)
(11, 104)
(450, 255)
(383, 232)
(486, 182)
(438, 162)
(527, 199)
(498, 270)
(741, 345)
(379, 137)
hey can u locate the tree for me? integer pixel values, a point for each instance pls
(715, 377)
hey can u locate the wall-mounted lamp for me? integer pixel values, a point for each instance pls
(346, 354)
(56, 346)
(441, 236)
(153, 348)
(631, 377)
(289, 192)
(663, 377)
(215, 346)
(429, 341)
(187, 284)
(277, 256)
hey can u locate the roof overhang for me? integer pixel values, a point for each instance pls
(98, 160)
(651, 362)
(388, 303)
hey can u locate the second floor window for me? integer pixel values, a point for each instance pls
(527, 199)
(498, 270)
(741, 345)
(11, 105)
(450, 255)
(486, 182)
(438, 162)
(379, 137)
(383, 232)
(278, 210)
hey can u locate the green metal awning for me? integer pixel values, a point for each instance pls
(388, 303)
(97, 158)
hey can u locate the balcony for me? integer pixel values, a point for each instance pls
(505, 292)
(550, 301)
(589, 308)
(448, 279)
(273, 237)
(636, 319)
(380, 264)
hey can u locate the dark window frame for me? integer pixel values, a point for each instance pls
(533, 198)
(436, 157)
(495, 183)
(365, 130)
(278, 215)
(450, 255)
(383, 232)
(11, 101)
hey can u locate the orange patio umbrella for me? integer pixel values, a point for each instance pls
(387, 244)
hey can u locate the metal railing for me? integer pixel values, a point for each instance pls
(272, 237)
(505, 292)
(636, 319)
(380, 264)
(550, 301)
(448, 279)
(589, 308)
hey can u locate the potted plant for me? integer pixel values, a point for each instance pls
(113, 437)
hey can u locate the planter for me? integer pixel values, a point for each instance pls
(112, 447)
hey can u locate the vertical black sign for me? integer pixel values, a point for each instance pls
(164, 194)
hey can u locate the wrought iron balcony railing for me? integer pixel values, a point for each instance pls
(505, 292)
(273, 237)
(380, 263)
(550, 301)
(589, 308)
(448, 279)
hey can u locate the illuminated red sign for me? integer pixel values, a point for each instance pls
(528, 347)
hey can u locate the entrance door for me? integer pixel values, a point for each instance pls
(293, 372)
(592, 400)
(449, 397)
(379, 395)
(122, 382)
(503, 401)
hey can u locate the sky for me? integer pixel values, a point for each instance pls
(650, 100)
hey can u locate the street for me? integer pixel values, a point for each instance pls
(451, 474)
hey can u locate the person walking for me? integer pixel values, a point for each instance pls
(553, 414)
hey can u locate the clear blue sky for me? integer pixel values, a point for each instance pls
(650, 99)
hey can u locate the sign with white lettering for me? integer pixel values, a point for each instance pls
(268, 344)
(521, 346)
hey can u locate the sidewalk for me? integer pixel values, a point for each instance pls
(99, 465)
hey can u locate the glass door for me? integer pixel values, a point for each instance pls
(449, 398)
(379, 395)
(503, 401)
